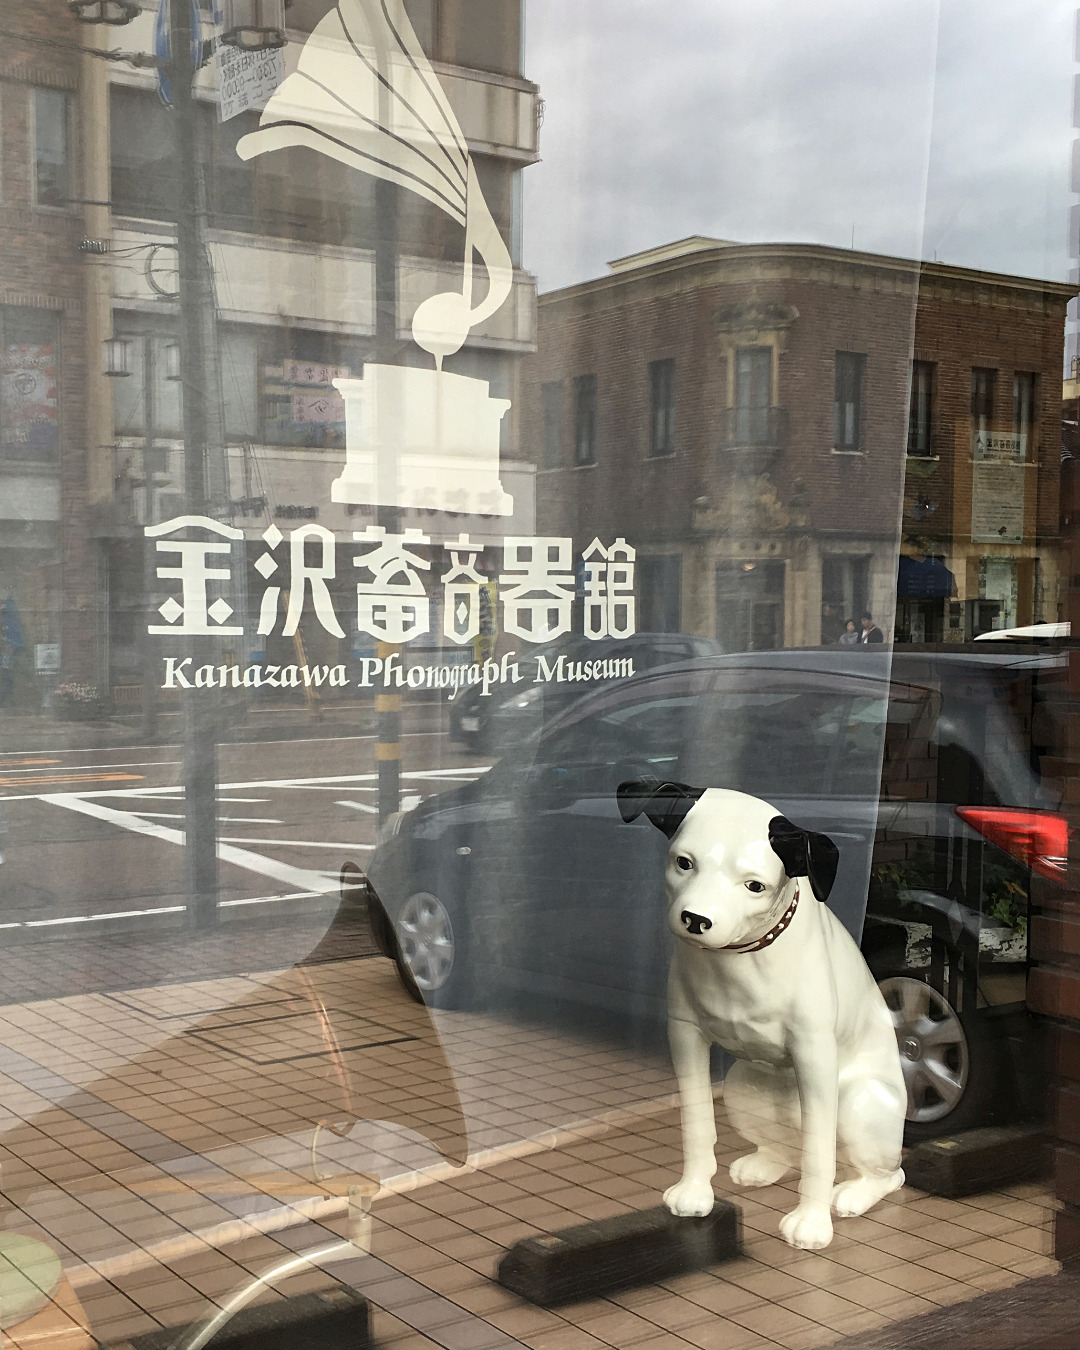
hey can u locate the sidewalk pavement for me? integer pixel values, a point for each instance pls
(160, 1142)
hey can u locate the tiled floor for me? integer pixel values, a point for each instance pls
(163, 1141)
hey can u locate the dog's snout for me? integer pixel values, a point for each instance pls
(696, 924)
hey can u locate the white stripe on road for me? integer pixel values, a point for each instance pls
(359, 806)
(297, 877)
(296, 843)
(80, 768)
(163, 909)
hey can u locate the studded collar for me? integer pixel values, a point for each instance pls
(767, 939)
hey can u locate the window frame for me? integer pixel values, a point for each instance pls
(662, 408)
(552, 409)
(36, 91)
(1025, 380)
(920, 437)
(851, 364)
(983, 398)
(585, 420)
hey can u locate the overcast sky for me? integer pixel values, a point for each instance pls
(936, 130)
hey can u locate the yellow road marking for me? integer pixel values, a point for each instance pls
(59, 779)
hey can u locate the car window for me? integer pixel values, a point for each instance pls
(633, 732)
(787, 741)
(802, 739)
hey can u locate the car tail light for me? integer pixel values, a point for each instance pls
(1038, 839)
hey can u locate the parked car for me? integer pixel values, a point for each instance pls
(923, 766)
(500, 718)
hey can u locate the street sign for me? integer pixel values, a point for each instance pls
(47, 658)
(247, 79)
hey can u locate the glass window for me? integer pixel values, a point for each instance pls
(551, 394)
(660, 591)
(29, 378)
(848, 401)
(753, 394)
(983, 380)
(777, 741)
(585, 419)
(239, 354)
(662, 407)
(1024, 385)
(52, 150)
(921, 414)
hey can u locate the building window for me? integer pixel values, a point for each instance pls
(750, 606)
(920, 439)
(29, 407)
(52, 151)
(585, 419)
(848, 401)
(660, 593)
(1024, 409)
(298, 402)
(753, 394)
(982, 399)
(662, 407)
(551, 398)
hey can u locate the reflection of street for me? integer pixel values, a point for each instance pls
(289, 813)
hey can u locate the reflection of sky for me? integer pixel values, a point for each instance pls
(760, 120)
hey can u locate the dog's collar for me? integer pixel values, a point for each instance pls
(774, 932)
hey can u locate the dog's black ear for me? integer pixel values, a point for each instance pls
(666, 804)
(805, 853)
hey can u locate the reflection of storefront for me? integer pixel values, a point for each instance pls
(750, 606)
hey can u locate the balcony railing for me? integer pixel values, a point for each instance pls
(754, 428)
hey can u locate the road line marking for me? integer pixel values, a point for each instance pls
(297, 877)
(80, 768)
(164, 909)
(294, 843)
(359, 806)
(57, 779)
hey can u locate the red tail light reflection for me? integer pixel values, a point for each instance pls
(1038, 839)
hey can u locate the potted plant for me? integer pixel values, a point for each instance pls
(77, 701)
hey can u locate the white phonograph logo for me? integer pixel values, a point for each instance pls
(365, 94)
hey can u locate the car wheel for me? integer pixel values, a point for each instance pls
(950, 1069)
(432, 951)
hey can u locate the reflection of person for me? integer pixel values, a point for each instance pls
(7, 662)
(850, 636)
(870, 631)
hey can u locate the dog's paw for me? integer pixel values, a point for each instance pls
(809, 1228)
(757, 1169)
(856, 1197)
(690, 1198)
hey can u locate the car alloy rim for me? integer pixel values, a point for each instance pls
(933, 1048)
(427, 940)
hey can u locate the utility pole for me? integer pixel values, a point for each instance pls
(199, 407)
(387, 706)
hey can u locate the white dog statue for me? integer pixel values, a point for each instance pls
(771, 975)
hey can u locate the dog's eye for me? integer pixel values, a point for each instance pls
(756, 886)
(683, 863)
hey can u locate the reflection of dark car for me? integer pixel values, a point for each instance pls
(923, 766)
(500, 717)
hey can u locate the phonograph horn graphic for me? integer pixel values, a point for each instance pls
(365, 94)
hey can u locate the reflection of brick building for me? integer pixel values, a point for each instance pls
(741, 414)
(46, 571)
